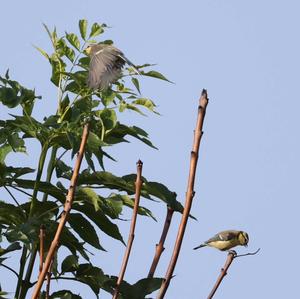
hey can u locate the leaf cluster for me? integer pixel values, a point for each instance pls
(93, 213)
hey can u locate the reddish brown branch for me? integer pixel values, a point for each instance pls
(64, 215)
(160, 246)
(42, 249)
(189, 194)
(229, 260)
(138, 186)
(230, 257)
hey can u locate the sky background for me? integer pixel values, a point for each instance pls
(246, 54)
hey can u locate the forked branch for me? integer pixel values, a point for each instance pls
(64, 215)
(189, 194)
(230, 257)
(138, 187)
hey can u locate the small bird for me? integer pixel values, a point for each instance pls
(226, 240)
(105, 66)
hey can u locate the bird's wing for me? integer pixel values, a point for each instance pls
(105, 67)
(222, 236)
(130, 63)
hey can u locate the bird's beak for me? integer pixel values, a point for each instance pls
(87, 51)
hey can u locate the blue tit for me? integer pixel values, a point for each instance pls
(106, 63)
(226, 240)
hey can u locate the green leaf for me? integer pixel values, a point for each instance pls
(84, 229)
(96, 30)
(100, 220)
(4, 151)
(144, 287)
(82, 28)
(92, 276)
(69, 264)
(155, 74)
(63, 294)
(44, 53)
(73, 40)
(71, 242)
(147, 103)
(42, 187)
(120, 200)
(107, 97)
(136, 83)
(10, 248)
(108, 117)
(10, 214)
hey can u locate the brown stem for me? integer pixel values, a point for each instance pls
(138, 186)
(49, 280)
(230, 257)
(42, 250)
(189, 194)
(160, 246)
(65, 213)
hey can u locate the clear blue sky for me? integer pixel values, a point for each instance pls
(246, 53)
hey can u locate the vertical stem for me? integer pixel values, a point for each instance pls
(49, 280)
(230, 257)
(21, 271)
(189, 194)
(65, 213)
(160, 246)
(42, 249)
(138, 186)
(38, 177)
(50, 169)
(23, 286)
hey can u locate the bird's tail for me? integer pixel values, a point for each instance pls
(200, 246)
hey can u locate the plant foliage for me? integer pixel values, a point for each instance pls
(59, 136)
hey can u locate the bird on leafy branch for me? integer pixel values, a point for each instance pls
(106, 63)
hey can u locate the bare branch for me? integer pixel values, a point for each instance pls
(12, 196)
(65, 213)
(230, 257)
(189, 194)
(229, 260)
(249, 253)
(160, 246)
(10, 269)
(138, 186)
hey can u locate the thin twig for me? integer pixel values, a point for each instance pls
(65, 213)
(10, 269)
(230, 257)
(160, 246)
(42, 250)
(138, 186)
(20, 190)
(189, 194)
(12, 196)
(249, 253)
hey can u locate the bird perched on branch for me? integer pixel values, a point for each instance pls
(106, 65)
(226, 240)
